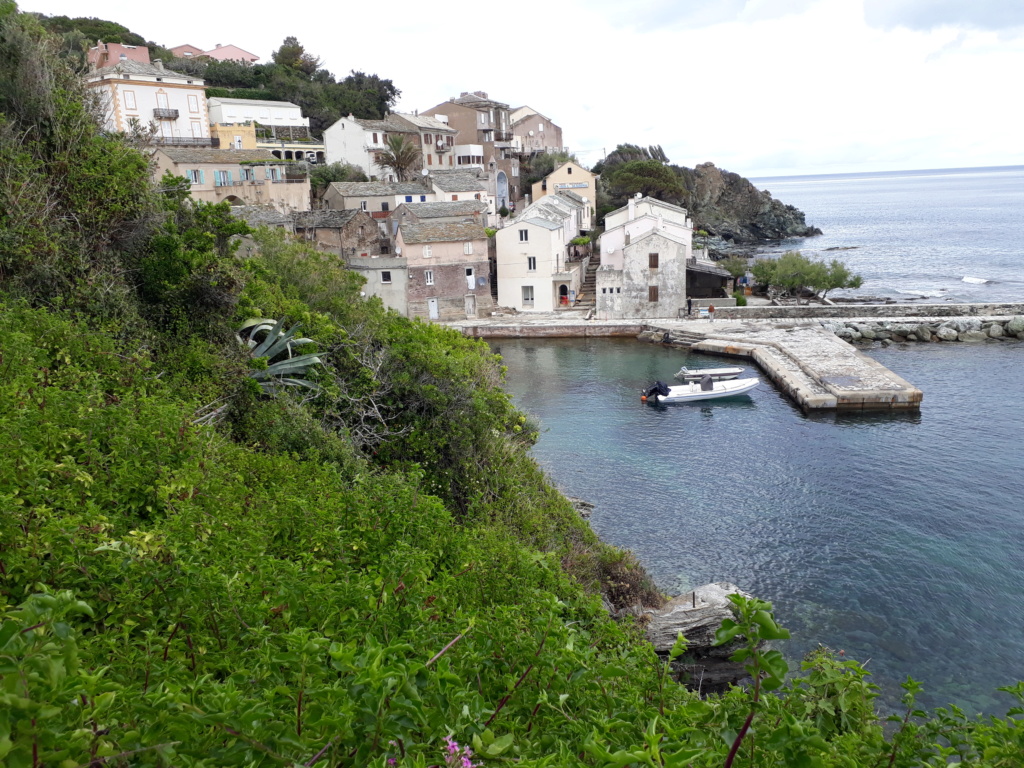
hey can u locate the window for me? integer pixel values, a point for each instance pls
(527, 295)
(375, 138)
(426, 138)
(247, 174)
(467, 248)
(652, 260)
(540, 127)
(385, 277)
(197, 129)
(423, 198)
(428, 276)
(193, 103)
(451, 160)
(531, 263)
(652, 294)
(129, 100)
(384, 206)
(238, 142)
(455, 198)
(430, 159)
(221, 178)
(196, 177)
(427, 252)
(362, 205)
(408, 198)
(569, 170)
(524, 235)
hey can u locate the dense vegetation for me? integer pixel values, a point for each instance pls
(199, 570)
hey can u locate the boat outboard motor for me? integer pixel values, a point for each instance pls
(706, 385)
(658, 388)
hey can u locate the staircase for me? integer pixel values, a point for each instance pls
(587, 297)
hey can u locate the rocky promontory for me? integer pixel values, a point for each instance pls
(734, 212)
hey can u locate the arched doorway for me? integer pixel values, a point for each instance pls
(563, 295)
(502, 189)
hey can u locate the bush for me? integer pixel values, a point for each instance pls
(741, 299)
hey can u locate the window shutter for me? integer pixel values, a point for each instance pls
(229, 176)
(652, 293)
(202, 176)
(652, 260)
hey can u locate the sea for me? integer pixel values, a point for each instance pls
(896, 538)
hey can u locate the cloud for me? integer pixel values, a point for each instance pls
(647, 15)
(929, 14)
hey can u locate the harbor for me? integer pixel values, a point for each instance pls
(797, 348)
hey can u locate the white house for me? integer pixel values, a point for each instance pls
(273, 115)
(135, 93)
(535, 267)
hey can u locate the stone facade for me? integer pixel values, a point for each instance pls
(651, 282)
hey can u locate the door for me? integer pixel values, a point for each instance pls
(432, 309)
(470, 306)
(470, 279)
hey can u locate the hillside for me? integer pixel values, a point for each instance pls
(214, 552)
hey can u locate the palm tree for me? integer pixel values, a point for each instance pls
(401, 156)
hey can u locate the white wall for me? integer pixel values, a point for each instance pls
(545, 245)
(230, 111)
(614, 240)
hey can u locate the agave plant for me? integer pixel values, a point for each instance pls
(276, 348)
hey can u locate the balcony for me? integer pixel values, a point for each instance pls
(503, 135)
(161, 113)
(442, 147)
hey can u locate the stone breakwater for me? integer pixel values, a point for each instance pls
(965, 329)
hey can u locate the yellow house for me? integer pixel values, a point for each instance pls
(234, 135)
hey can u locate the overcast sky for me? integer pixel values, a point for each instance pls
(759, 87)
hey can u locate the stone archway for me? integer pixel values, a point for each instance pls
(501, 190)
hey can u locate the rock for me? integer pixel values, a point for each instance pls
(855, 335)
(946, 333)
(995, 331)
(867, 332)
(923, 332)
(901, 339)
(961, 324)
(978, 335)
(886, 342)
(901, 329)
(882, 335)
(1016, 325)
(583, 508)
(697, 614)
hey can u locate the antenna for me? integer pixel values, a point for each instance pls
(424, 172)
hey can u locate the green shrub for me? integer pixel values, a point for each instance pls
(741, 299)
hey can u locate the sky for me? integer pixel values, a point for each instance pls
(759, 87)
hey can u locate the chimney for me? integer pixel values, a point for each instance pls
(632, 209)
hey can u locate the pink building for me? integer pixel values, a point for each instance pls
(219, 52)
(109, 54)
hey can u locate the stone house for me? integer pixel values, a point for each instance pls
(378, 198)
(448, 270)
(387, 278)
(346, 233)
(651, 281)
(461, 210)
(240, 176)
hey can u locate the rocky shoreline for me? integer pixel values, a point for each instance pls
(963, 329)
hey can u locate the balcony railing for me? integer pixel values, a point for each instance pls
(161, 113)
(503, 135)
(442, 147)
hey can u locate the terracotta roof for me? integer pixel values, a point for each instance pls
(442, 232)
(222, 156)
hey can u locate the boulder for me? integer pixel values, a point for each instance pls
(962, 324)
(946, 333)
(867, 332)
(995, 331)
(978, 335)
(1016, 325)
(901, 329)
(845, 333)
(697, 614)
(882, 334)
(923, 332)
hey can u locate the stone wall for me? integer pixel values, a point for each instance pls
(954, 329)
(842, 311)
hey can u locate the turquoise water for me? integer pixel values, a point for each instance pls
(897, 538)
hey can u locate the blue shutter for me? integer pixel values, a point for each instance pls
(229, 178)
(202, 176)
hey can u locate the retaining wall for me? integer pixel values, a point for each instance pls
(844, 311)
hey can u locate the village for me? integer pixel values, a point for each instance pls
(454, 236)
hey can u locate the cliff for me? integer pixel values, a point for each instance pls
(734, 212)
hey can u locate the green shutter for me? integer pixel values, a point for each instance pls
(202, 176)
(229, 178)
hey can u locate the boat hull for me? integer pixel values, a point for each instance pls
(716, 374)
(692, 392)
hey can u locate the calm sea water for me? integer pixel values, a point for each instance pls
(917, 234)
(897, 538)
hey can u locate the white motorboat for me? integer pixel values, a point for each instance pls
(716, 374)
(703, 390)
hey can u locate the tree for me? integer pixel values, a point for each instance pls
(322, 176)
(540, 165)
(735, 265)
(794, 273)
(292, 55)
(401, 156)
(648, 177)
